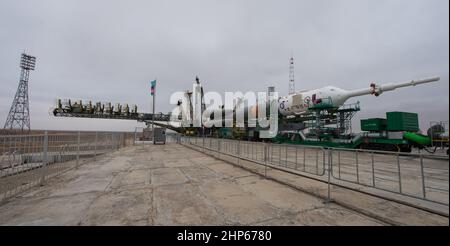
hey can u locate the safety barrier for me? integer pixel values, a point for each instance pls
(408, 175)
(295, 159)
(421, 176)
(29, 160)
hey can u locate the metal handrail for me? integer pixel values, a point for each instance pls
(38, 144)
(426, 155)
(360, 169)
(372, 172)
(61, 150)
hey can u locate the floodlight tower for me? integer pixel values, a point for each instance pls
(19, 114)
(291, 76)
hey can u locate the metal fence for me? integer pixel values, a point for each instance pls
(410, 174)
(418, 176)
(29, 160)
(288, 158)
(173, 138)
(143, 136)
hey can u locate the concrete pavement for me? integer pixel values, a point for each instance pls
(174, 185)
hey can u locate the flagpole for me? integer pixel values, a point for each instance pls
(153, 115)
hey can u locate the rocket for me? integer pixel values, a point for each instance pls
(291, 105)
(298, 103)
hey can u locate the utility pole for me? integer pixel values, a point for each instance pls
(153, 117)
(153, 92)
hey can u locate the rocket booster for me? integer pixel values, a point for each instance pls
(299, 103)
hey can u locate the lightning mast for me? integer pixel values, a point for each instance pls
(291, 76)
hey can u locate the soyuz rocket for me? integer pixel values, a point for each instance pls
(297, 103)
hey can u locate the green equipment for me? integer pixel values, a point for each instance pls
(417, 138)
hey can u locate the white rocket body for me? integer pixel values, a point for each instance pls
(298, 103)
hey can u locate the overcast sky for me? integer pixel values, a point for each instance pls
(110, 50)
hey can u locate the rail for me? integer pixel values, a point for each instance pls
(295, 159)
(415, 175)
(30, 160)
(403, 177)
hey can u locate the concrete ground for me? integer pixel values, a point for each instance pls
(175, 185)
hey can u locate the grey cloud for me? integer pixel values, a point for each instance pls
(110, 50)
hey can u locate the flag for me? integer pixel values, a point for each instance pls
(152, 87)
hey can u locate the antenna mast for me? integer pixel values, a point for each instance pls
(291, 76)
